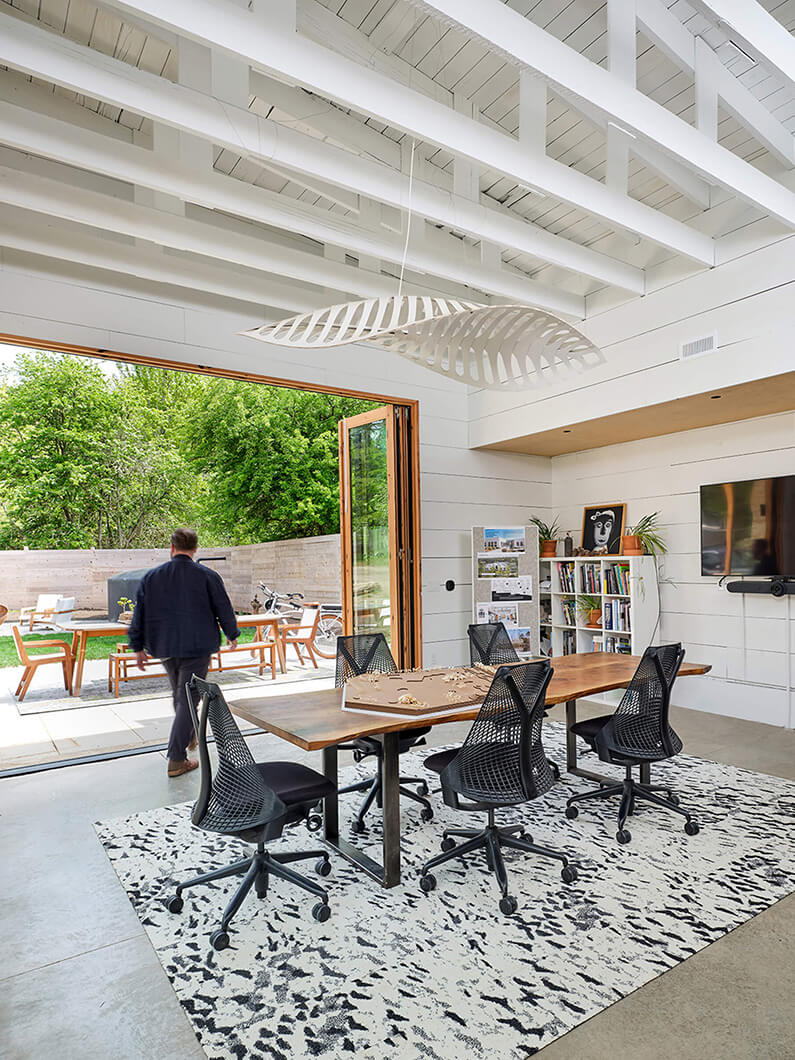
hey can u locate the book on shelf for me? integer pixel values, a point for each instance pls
(569, 643)
(569, 611)
(619, 645)
(566, 577)
(591, 578)
(617, 579)
(617, 616)
(598, 644)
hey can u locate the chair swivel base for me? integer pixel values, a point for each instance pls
(258, 869)
(492, 839)
(373, 787)
(631, 791)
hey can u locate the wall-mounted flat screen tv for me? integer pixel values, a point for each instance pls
(749, 527)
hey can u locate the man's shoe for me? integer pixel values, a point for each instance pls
(176, 769)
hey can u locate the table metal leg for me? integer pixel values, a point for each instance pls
(388, 874)
(571, 753)
(390, 788)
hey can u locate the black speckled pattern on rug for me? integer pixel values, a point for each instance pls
(401, 975)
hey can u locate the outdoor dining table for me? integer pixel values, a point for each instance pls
(260, 623)
(81, 631)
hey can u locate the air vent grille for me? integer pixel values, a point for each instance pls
(695, 347)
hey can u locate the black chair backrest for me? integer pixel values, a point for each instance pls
(502, 758)
(236, 797)
(363, 653)
(490, 644)
(639, 728)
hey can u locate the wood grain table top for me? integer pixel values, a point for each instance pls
(313, 720)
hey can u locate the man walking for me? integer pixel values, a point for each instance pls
(178, 609)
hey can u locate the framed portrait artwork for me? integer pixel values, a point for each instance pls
(602, 527)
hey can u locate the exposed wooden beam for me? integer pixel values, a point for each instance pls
(36, 133)
(695, 56)
(266, 47)
(106, 212)
(26, 232)
(528, 44)
(83, 70)
(757, 31)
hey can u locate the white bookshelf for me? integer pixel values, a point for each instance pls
(629, 610)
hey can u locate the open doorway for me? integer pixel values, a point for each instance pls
(103, 456)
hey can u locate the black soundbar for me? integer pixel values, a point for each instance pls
(776, 587)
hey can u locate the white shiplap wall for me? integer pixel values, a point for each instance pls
(749, 640)
(459, 488)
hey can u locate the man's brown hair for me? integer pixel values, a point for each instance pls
(184, 539)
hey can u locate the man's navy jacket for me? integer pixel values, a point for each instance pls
(178, 609)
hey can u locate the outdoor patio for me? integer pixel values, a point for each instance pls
(50, 725)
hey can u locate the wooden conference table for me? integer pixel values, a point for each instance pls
(316, 721)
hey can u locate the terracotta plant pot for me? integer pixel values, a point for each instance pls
(548, 549)
(631, 546)
(594, 619)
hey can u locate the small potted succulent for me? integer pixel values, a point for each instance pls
(643, 538)
(590, 608)
(127, 608)
(547, 536)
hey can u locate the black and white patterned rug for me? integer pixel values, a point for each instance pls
(401, 975)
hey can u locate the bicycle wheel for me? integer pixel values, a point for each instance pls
(329, 627)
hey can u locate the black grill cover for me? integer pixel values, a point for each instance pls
(123, 584)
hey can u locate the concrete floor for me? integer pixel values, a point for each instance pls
(80, 979)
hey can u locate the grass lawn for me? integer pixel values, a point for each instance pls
(97, 647)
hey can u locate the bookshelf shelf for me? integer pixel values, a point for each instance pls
(627, 588)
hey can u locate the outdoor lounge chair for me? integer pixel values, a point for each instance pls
(50, 609)
(302, 634)
(32, 662)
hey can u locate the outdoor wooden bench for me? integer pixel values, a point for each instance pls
(122, 665)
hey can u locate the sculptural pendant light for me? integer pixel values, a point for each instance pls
(496, 346)
(501, 347)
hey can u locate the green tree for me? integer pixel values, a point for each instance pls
(268, 456)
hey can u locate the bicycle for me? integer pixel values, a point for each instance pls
(289, 607)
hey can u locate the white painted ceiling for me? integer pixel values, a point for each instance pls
(442, 61)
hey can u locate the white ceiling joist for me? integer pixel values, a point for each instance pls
(758, 31)
(665, 30)
(249, 35)
(85, 149)
(44, 196)
(27, 232)
(51, 57)
(524, 42)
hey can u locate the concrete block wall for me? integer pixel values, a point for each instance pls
(307, 565)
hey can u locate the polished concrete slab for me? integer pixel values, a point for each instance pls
(79, 976)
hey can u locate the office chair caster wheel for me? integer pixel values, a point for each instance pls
(323, 866)
(314, 822)
(568, 874)
(358, 826)
(426, 814)
(508, 904)
(428, 882)
(422, 788)
(175, 904)
(673, 799)
(321, 912)
(692, 828)
(572, 812)
(448, 843)
(219, 940)
(623, 835)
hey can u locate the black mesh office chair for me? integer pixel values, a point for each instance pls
(252, 801)
(638, 732)
(501, 763)
(490, 644)
(367, 653)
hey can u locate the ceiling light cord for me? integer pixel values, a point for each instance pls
(408, 221)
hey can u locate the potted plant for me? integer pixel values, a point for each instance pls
(643, 538)
(547, 536)
(590, 608)
(127, 608)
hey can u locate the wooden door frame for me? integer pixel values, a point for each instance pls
(412, 404)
